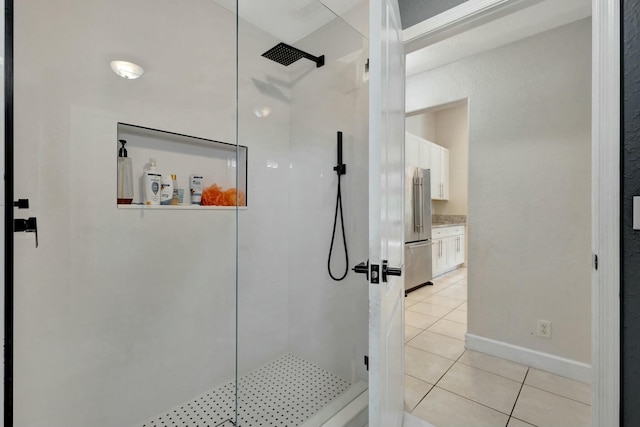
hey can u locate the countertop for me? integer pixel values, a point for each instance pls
(446, 224)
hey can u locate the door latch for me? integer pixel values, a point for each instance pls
(29, 225)
(389, 271)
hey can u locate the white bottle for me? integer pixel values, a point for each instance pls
(175, 199)
(152, 184)
(166, 192)
(195, 185)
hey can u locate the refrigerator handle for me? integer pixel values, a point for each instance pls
(420, 191)
(416, 204)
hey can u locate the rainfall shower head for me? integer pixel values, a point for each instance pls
(286, 55)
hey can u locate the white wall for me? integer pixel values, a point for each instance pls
(263, 278)
(328, 320)
(423, 125)
(121, 314)
(452, 132)
(529, 185)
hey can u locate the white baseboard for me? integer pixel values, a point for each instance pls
(536, 359)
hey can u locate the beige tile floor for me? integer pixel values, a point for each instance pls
(448, 386)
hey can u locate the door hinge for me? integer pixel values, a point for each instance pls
(21, 204)
(595, 261)
(366, 361)
(29, 225)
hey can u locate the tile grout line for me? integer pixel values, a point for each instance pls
(436, 383)
(474, 401)
(518, 396)
(423, 330)
(490, 372)
(559, 395)
(443, 335)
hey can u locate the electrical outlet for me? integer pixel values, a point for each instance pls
(544, 328)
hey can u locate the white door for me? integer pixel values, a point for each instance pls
(386, 193)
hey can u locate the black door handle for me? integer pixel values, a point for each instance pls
(362, 268)
(29, 225)
(389, 271)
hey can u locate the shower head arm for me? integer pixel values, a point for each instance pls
(319, 60)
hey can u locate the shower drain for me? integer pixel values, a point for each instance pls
(286, 392)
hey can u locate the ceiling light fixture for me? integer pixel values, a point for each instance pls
(126, 70)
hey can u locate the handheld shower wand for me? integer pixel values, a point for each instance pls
(341, 169)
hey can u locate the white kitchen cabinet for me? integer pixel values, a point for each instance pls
(448, 248)
(459, 252)
(444, 173)
(435, 166)
(439, 256)
(427, 155)
(439, 172)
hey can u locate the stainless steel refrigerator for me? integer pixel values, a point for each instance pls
(417, 228)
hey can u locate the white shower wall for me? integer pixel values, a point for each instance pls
(121, 314)
(328, 320)
(262, 265)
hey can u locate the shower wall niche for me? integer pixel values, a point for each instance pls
(219, 163)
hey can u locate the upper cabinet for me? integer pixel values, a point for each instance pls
(425, 154)
(439, 166)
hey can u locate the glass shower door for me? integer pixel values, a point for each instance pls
(124, 314)
(302, 337)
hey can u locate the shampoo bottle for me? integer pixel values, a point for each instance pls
(166, 193)
(152, 184)
(175, 199)
(125, 176)
(195, 185)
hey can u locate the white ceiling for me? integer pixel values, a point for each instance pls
(290, 20)
(539, 17)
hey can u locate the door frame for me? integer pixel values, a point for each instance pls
(605, 211)
(605, 182)
(8, 214)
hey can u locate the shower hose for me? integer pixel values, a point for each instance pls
(333, 236)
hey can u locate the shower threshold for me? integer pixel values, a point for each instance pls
(288, 391)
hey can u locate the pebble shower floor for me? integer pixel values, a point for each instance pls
(286, 392)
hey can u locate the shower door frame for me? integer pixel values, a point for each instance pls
(8, 214)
